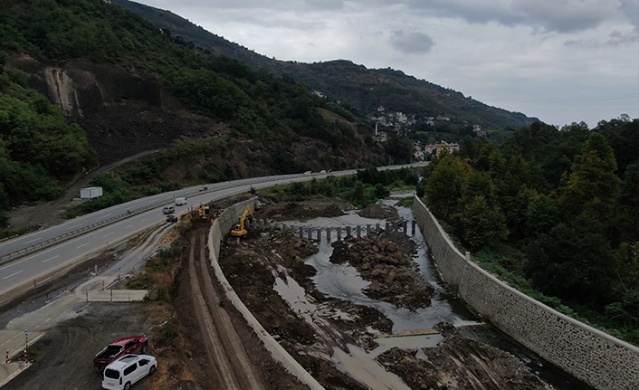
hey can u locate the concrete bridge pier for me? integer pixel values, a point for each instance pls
(339, 232)
(358, 229)
(348, 231)
(387, 227)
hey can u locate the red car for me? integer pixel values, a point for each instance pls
(118, 348)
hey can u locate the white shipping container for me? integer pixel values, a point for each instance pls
(90, 192)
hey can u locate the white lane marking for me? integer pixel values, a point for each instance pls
(107, 235)
(74, 226)
(35, 239)
(51, 258)
(127, 226)
(146, 219)
(13, 274)
(85, 244)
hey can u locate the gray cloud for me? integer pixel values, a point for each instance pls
(411, 42)
(630, 9)
(563, 16)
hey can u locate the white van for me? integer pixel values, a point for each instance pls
(124, 372)
(180, 201)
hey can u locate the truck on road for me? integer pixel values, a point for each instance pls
(118, 348)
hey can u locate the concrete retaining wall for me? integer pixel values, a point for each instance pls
(588, 354)
(219, 228)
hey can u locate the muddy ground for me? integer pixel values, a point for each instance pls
(253, 268)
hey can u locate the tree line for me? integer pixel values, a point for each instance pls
(565, 203)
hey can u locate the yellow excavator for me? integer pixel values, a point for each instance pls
(204, 211)
(240, 229)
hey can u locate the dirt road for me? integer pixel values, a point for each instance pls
(226, 355)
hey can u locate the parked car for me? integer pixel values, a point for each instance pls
(203, 188)
(118, 348)
(171, 218)
(168, 210)
(126, 371)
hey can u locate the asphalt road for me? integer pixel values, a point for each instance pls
(89, 234)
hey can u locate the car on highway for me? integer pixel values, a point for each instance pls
(168, 210)
(118, 348)
(126, 371)
(171, 218)
(203, 188)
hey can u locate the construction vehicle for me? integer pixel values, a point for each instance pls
(240, 229)
(204, 211)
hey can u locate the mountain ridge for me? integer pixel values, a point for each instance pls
(344, 81)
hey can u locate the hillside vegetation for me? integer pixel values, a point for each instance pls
(131, 89)
(362, 90)
(552, 212)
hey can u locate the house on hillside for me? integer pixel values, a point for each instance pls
(444, 146)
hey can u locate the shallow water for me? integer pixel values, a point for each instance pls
(342, 281)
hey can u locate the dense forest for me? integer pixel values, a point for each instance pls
(552, 211)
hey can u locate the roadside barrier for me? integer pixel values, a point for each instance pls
(127, 214)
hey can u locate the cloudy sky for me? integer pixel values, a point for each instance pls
(562, 61)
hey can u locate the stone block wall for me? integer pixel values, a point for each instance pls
(588, 354)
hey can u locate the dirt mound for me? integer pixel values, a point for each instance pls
(459, 363)
(386, 260)
(379, 211)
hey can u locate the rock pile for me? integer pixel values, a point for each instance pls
(386, 260)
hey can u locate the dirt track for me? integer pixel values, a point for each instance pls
(226, 354)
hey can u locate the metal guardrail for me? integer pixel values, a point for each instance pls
(130, 213)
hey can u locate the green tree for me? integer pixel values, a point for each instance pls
(592, 188)
(358, 193)
(542, 215)
(380, 191)
(481, 222)
(573, 261)
(444, 185)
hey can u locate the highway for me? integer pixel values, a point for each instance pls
(62, 246)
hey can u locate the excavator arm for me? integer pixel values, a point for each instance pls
(240, 229)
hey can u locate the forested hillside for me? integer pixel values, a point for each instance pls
(122, 86)
(566, 201)
(355, 86)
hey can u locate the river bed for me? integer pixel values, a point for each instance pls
(342, 281)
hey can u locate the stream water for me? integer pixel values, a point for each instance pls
(343, 282)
